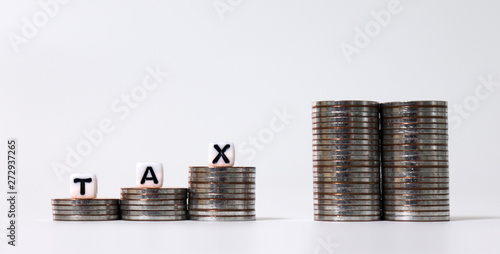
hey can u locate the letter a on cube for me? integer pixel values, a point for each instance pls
(83, 186)
(221, 154)
(149, 175)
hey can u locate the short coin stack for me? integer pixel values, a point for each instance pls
(154, 204)
(415, 161)
(222, 193)
(346, 159)
(85, 209)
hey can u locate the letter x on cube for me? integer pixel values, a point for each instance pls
(221, 154)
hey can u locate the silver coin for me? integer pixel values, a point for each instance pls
(411, 147)
(85, 201)
(416, 202)
(415, 185)
(417, 218)
(367, 163)
(343, 119)
(415, 180)
(153, 207)
(391, 208)
(415, 191)
(369, 202)
(85, 217)
(177, 191)
(415, 169)
(415, 131)
(368, 148)
(195, 185)
(416, 153)
(389, 110)
(222, 179)
(154, 202)
(335, 109)
(417, 174)
(226, 169)
(406, 120)
(418, 213)
(443, 104)
(345, 157)
(221, 207)
(220, 202)
(346, 218)
(415, 136)
(332, 186)
(85, 207)
(388, 158)
(340, 196)
(346, 114)
(221, 174)
(413, 163)
(222, 218)
(336, 142)
(154, 213)
(86, 212)
(414, 141)
(221, 213)
(321, 208)
(153, 196)
(345, 125)
(154, 218)
(348, 213)
(348, 180)
(345, 191)
(415, 114)
(223, 191)
(346, 136)
(346, 153)
(346, 131)
(416, 197)
(441, 126)
(341, 175)
(220, 196)
(346, 102)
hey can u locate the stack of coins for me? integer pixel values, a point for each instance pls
(346, 160)
(85, 209)
(415, 161)
(222, 194)
(154, 204)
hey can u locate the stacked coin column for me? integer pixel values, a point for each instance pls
(154, 204)
(222, 194)
(346, 160)
(415, 161)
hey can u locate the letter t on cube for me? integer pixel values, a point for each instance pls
(149, 175)
(83, 186)
(221, 154)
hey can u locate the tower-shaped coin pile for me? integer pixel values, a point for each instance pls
(346, 160)
(83, 205)
(415, 161)
(150, 202)
(221, 192)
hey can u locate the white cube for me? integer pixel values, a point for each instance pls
(221, 154)
(83, 186)
(149, 175)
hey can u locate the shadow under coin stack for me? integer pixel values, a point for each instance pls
(154, 204)
(346, 159)
(85, 209)
(415, 161)
(222, 193)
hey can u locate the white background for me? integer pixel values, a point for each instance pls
(227, 79)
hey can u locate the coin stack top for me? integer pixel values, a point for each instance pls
(154, 204)
(222, 193)
(346, 160)
(415, 161)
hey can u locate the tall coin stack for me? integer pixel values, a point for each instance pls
(154, 204)
(222, 193)
(85, 209)
(346, 160)
(415, 161)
